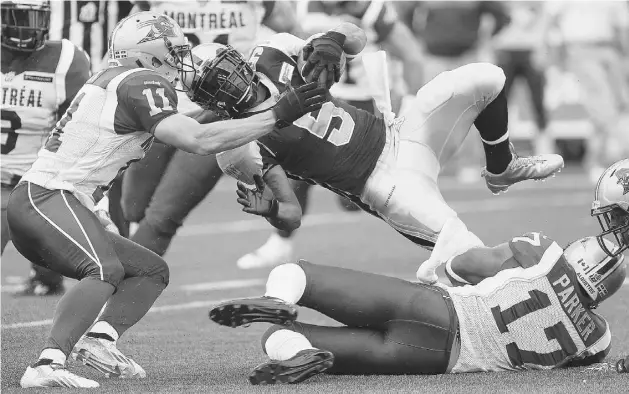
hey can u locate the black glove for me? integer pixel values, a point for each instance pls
(295, 103)
(324, 53)
(256, 201)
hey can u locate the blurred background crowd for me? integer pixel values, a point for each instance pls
(566, 62)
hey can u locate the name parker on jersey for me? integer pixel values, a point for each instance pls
(572, 305)
(23, 97)
(208, 20)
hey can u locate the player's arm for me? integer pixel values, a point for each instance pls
(78, 73)
(273, 198)
(480, 263)
(188, 134)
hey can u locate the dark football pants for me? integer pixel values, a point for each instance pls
(520, 64)
(51, 228)
(392, 326)
(160, 190)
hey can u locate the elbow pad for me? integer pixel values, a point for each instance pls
(241, 163)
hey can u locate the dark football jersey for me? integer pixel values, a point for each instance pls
(336, 147)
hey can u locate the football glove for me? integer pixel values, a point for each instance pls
(295, 103)
(256, 201)
(324, 53)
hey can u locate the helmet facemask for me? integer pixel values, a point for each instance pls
(226, 84)
(614, 220)
(25, 26)
(179, 57)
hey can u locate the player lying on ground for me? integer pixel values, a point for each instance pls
(536, 316)
(111, 122)
(610, 207)
(388, 167)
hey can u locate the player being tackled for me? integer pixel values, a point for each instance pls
(389, 167)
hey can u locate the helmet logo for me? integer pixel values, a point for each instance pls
(623, 179)
(160, 27)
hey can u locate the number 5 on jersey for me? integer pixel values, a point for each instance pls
(163, 104)
(330, 123)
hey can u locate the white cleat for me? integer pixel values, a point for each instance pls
(275, 251)
(54, 375)
(522, 169)
(104, 356)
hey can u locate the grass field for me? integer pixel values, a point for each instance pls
(183, 351)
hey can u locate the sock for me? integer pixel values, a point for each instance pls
(102, 329)
(284, 344)
(492, 124)
(133, 298)
(76, 312)
(286, 282)
(51, 356)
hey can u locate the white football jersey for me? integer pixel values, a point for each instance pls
(236, 23)
(527, 318)
(107, 126)
(34, 92)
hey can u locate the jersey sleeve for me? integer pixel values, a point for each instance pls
(381, 18)
(78, 73)
(269, 159)
(529, 248)
(145, 98)
(285, 42)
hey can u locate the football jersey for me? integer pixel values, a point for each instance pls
(108, 126)
(529, 317)
(35, 92)
(336, 147)
(226, 22)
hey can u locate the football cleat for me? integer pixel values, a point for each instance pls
(305, 364)
(244, 311)
(54, 375)
(274, 252)
(103, 355)
(522, 169)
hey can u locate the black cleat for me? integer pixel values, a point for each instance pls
(253, 310)
(34, 287)
(303, 365)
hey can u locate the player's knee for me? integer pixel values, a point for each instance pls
(161, 273)
(485, 78)
(110, 272)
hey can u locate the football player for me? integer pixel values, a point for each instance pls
(112, 121)
(610, 207)
(39, 80)
(162, 189)
(384, 29)
(536, 316)
(389, 167)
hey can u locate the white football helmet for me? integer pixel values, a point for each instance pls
(611, 205)
(154, 41)
(599, 274)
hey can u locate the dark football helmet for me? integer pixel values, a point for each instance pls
(225, 82)
(611, 206)
(25, 24)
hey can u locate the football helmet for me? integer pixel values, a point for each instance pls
(154, 41)
(25, 24)
(611, 205)
(225, 82)
(598, 273)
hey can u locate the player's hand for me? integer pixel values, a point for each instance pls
(324, 53)
(255, 201)
(295, 103)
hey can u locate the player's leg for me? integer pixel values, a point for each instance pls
(185, 183)
(141, 179)
(278, 249)
(51, 228)
(146, 276)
